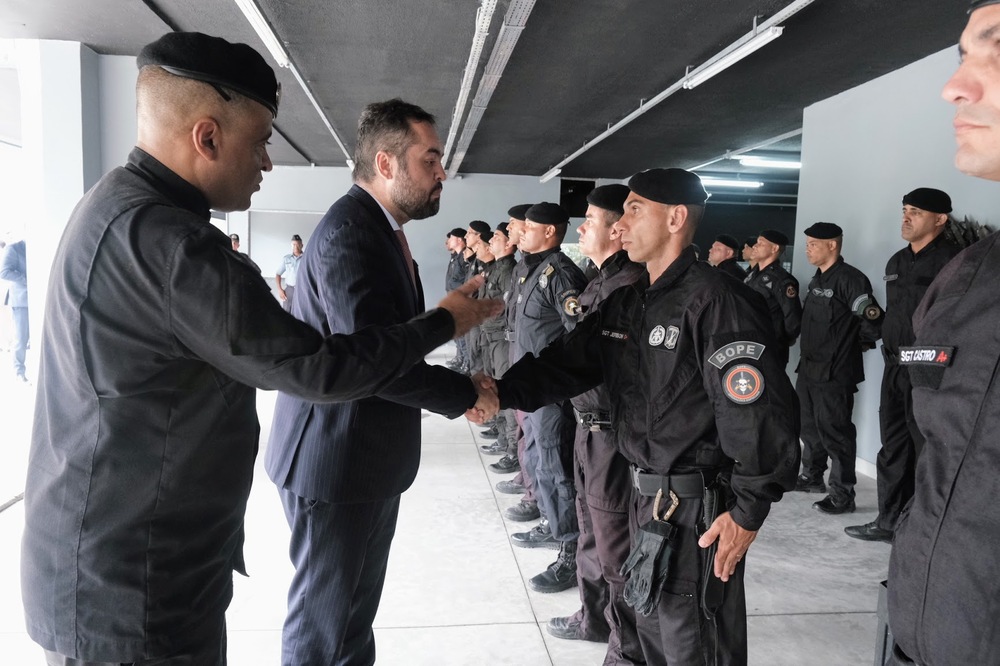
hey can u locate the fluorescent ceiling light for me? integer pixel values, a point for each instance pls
(549, 175)
(723, 182)
(769, 163)
(710, 69)
(264, 31)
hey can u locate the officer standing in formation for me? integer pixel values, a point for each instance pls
(908, 274)
(683, 340)
(603, 487)
(547, 305)
(456, 275)
(840, 320)
(476, 240)
(722, 255)
(748, 255)
(943, 582)
(778, 287)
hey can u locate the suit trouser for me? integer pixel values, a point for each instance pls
(286, 304)
(20, 338)
(828, 430)
(678, 633)
(901, 444)
(208, 655)
(603, 495)
(548, 451)
(340, 553)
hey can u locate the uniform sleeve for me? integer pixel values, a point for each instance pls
(756, 409)
(563, 292)
(791, 309)
(222, 312)
(864, 306)
(563, 370)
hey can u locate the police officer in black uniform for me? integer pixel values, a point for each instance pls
(943, 573)
(547, 305)
(723, 254)
(840, 320)
(687, 357)
(603, 487)
(748, 256)
(481, 255)
(908, 274)
(778, 287)
(455, 276)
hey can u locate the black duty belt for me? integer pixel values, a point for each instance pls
(593, 421)
(683, 485)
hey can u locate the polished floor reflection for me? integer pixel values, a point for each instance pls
(457, 591)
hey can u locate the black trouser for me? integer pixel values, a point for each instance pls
(901, 445)
(828, 430)
(548, 452)
(679, 632)
(207, 655)
(603, 495)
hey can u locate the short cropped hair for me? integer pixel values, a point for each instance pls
(384, 126)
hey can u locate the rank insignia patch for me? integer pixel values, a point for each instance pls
(743, 384)
(735, 350)
(672, 334)
(543, 281)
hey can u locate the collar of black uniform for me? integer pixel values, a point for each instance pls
(614, 263)
(837, 264)
(684, 261)
(934, 244)
(175, 188)
(533, 259)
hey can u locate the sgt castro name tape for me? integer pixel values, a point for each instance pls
(735, 350)
(937, 356)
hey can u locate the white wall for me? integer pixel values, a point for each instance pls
(862, 151)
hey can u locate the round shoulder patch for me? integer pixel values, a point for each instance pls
(873, 312)
(743, 384)
(571, 306)
(791, 292)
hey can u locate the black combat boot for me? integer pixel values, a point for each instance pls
(561, 574)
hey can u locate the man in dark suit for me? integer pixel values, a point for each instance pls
(340, 469)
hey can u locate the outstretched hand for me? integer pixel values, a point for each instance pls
(468, 311)
(733, 544)
(488, 404)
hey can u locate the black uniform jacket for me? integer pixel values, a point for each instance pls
(944, 572)
(840, 319)
(907, 277)
(145, 430)
(457, 272)
(781, 291)
(732, 267)
(616, 272)
(693, 381)
(497, 283)
(546, 301)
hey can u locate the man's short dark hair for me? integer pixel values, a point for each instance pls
(384, 126)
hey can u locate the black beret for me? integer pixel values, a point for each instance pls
(457, 232)
(824, 231)
(750, 242)
(669, 186)
(929, 199)
(976, 4)
(547, 213)
(518, 212)
(215, 61)
(502, 229)
(296, 237)
(728, 241)
(486, 236)
(609, 197)
(235, 237)
(775, 237)
(479, 227)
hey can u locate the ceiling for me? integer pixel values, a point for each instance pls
(577, 67)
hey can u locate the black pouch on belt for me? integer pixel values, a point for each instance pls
(712, 587)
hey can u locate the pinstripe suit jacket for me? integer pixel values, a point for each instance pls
(354, 275)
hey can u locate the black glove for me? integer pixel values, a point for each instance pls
(647, 566)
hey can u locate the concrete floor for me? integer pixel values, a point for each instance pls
(457, 592)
